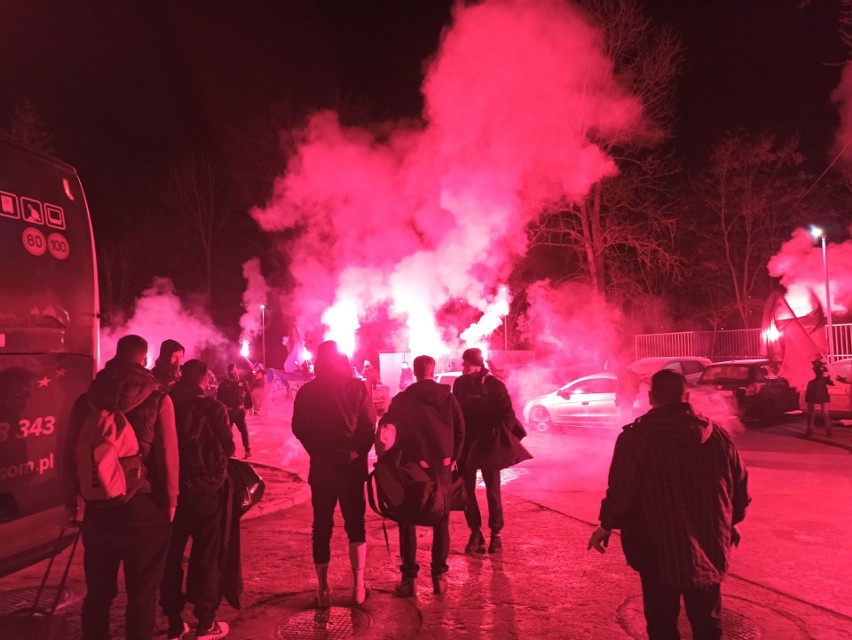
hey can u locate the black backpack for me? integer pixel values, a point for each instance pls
(405, 492)
(203, 463)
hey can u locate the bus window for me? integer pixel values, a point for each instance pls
(48, 342)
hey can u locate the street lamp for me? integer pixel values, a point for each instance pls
(263, 331)
(817, 232)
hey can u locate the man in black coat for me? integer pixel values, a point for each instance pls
(205, 443)
(166, 367)
(487, 410)
(677, 489)
(334, 419)
(235, 394)
(429, 431)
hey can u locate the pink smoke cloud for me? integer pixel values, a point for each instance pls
(160, 314)
(413, 214)
(255, 295)
(799, 265)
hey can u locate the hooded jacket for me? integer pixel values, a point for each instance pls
(188, 397)
(164, 371)
(429, 423)
(132, 389)
(676, 488)
(334, 419)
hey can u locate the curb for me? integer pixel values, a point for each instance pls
(263, 508)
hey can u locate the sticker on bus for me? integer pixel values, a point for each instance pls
(58, 246)
(32, 211)
(54, 216)
(34, 241)
(9, 205)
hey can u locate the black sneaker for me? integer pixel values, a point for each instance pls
(496, 544)
(476, 543)
(218, 631)
(178, 630)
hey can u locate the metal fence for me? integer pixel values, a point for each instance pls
(724, 345)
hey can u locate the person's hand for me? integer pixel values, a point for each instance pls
(735, 536)
(71, 516)
(172, 511)
(447, 462)
(599, 540)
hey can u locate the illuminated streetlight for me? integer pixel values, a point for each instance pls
(263, 331)
(818, 233)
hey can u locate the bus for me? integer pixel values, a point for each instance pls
(48, 343)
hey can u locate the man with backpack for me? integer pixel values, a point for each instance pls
(130, 498)
(430, 432)
(205, 443)
(235, 394)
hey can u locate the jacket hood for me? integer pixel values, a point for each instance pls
(121, 386)
(184, 391)
(429, 392)
(677, 420)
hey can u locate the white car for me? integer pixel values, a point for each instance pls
(690, 367)
(448, 378)
(840, 393)
(587, 401)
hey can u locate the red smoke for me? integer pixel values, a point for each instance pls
(412, 215)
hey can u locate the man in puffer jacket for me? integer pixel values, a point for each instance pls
(429, 431)
(134, 531)
(677, 489)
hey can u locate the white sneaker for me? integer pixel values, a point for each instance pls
(218, 631)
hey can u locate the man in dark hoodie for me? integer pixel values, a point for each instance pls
(677, 489)
(235, 394)
(487, 408)
(334, 419)
(132, 531)
(429, 431)
(166, 367)
(205, 443)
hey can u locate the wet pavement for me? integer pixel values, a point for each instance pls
(544, 584)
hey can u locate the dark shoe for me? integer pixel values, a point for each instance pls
(218, 631)
(405, 588)
(476, 543)
(178, 630)
(496, 544)
(439, 584)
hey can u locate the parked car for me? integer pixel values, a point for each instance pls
(587, 401)
(447, 377)
(690, 367)
(747, 388)
(841, 392)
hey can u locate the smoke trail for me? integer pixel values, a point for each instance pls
(412, 215)
(160, 314)
(254, 297)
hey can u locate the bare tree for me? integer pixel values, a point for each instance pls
(623, 230)
(749, 200)
(27, 127)
(197, 195)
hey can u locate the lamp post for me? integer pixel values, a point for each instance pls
(817, 232)
(263, 331)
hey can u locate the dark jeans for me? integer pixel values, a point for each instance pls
(662, 607)
(238, 417)
(493, 496)
(440, 540)
(199, 516)
(136, 534)
(353, 506)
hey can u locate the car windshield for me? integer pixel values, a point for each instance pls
(726, 372)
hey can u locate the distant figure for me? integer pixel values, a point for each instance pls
(131, 530)
(235, 394)
(677, 489)
(258, 388)
(817, 394)
(430, 431)
(370, 375)
(166, 367)
(205, 443)
(334, 419)
(406, 376)
(626, 391)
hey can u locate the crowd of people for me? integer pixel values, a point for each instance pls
(677, 487)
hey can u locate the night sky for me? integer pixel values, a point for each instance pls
(122, 85)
